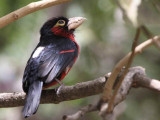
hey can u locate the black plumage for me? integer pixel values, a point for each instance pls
(47, 63)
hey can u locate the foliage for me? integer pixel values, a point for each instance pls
(104, 39)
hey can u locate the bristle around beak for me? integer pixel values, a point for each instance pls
(75, 22)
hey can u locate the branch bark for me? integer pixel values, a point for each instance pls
(80, 90)
(30, 8)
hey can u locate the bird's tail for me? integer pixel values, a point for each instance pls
(33, 99)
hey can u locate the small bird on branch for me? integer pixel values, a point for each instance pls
(51, 60)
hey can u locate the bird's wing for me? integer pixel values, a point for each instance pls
(55, 63)
(48, 61)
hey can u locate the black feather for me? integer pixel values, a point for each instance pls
(42, 69)
(33, 99)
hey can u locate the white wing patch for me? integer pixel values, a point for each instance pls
(37, 52)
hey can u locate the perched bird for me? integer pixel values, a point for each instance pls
(51, 60)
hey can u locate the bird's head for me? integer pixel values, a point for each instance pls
(61, 26)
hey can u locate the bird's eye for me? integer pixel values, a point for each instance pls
(60, 23)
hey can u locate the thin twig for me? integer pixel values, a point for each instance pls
(150, 35)
(79, 114)
(30, 8)
(147, 32)
(135, 42)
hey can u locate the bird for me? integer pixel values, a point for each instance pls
(51, 60)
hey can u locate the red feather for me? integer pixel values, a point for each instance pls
(61, 32)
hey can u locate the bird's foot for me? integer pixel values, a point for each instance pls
(60, 87)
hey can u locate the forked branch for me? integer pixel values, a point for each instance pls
(109, 84)
(135, 78)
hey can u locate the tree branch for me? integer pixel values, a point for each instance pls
(146, 82)
(136, 75)
(81, 112)
(30, 8)
(80, 90)
(109, 84)
(127, 66)
(150, 35)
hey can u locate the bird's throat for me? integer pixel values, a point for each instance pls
(62, 32)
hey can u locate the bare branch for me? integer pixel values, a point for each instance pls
(136, 75)
(118, 110)
(128, 65)
(109, 84)
(123, 91)
(146, 82)
(30, 8)
(150, 35)
(80, 90)
(81, 112)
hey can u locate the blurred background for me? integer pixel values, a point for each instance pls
(104, 39)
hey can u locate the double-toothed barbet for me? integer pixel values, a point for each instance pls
(51, 60)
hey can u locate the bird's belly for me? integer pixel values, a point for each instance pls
(47, 85)
(54, 82)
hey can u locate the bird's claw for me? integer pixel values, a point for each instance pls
(59, 89)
